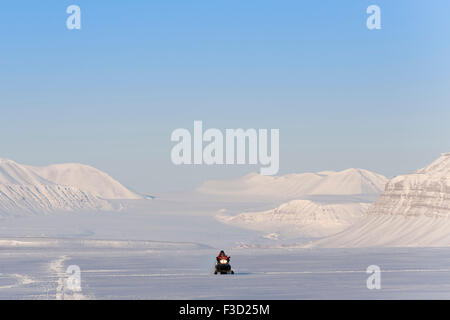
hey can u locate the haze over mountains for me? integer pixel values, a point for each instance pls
(339, 207)
(66, 187)
(297, 186)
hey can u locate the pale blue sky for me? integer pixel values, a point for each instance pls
(110, 94)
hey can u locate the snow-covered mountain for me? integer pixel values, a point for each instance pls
(12, 173)
(319, 204)
(423, 193)
(414, 210)
(297, 186)
(67, 187)
(45, 198)
(300, 218)
(85, 178)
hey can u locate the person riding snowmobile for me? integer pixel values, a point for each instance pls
(223, 264)
(222, 256)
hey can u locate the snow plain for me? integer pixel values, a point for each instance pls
(186, 273)
(165, 249)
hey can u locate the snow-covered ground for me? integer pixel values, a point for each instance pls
(186, 273)
(165, 249)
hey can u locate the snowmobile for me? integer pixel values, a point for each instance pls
(223, 265)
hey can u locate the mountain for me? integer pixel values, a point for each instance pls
(318, 204)
(300, 218)
(85, 178)
(65, 187)
(297, 186)
(423, 193)
(414, 210)
(12, 173)
(25, 199)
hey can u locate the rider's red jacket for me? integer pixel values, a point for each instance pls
(220, 257)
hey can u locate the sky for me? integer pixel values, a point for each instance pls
(110, 95)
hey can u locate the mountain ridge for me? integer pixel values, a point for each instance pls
(300, 218)
(413, 211)
(27, 189)
(298, 185)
